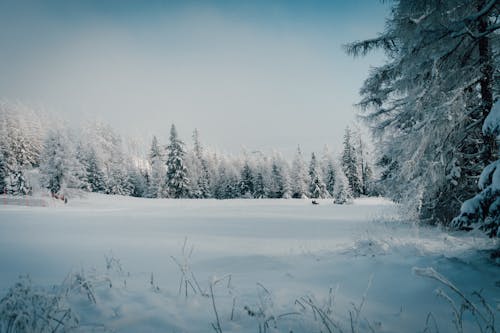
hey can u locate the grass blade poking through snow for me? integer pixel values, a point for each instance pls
(483, 313)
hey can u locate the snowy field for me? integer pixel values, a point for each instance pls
(249, 265)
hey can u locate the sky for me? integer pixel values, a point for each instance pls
(259, 75)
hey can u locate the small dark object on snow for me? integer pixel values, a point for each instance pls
(65, 200)
(314, 202)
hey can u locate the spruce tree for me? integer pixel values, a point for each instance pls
(94, 174)
(278, 184)
(350, 164)
(58, 163)
(246, 181)
(317, 188)
(176, 181)
(202, 175)
(3, 175)
(157, 175)
(330, 177)
(342, 192)
(299, 176)
(260, 190)
(427, 103)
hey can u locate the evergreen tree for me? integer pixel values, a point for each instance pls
(246, 182)
(138, 183)
(94, 174)
(350, 164)
(427, 103)
(203, 175)
(317, 188)
(260, 190)
(58, 163)
(299, 177)
(3, 174)
(342, 192)
(331, 173)
(278, 183)
(157, 175)
(177, 183)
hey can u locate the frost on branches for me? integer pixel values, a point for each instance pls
(176, 181)
(428, 102)
(483, 210)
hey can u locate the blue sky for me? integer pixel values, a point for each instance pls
(255, 74)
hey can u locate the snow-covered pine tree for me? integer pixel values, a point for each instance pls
(350, 165)
(331, 171)
(278, 185)
(3, 174)
(483, 210)
(246, 181)
(317, 187)
(427, 103)
(58, 163)
(93, 171)
(137, 181)
(203, 175)
(342, 191)
(157, 173)
(176, 181)
(260, 189)
(299, 177)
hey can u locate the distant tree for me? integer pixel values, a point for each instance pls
(299, 176)
(3, 174)
(157, 174)
(93, 171)
(331, 174)
(176, 181)
(342, 192)
(260, 190)
(246, 181)
(58, 163)
(278, 186)
(199, 171)
(138, 182)
(350, 164)
(317, 188)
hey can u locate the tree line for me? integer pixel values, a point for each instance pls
(40, 153)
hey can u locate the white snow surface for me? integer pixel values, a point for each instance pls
(278, 254)
(492, 122)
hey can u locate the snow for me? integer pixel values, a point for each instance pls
(491, 124)
(273, 259)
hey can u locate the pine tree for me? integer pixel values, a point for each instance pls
(299, 177)
(350, 164)
(157, 175)
(331, 173)
(3, 174)
(428, 102)
(342, 192)
(260, 190)
(278, 187)
(94, 174)
(203, 175)
(246, 182)
(317, 188)
(58, 163)
(177, 183)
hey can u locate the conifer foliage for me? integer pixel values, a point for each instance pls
(428, 102)
(176, 180)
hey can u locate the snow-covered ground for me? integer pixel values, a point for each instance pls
(272, 265)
